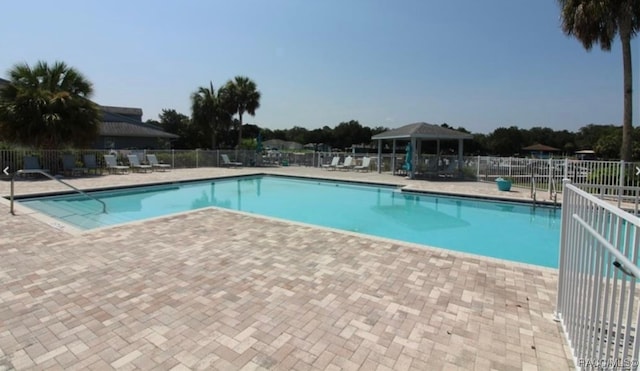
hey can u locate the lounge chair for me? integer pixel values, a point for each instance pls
(90, 162)
(134, 163)
(366, 161)
(347, 164)
(153, 161)
(69, 165)
(31, 165)
(112, 165)
(333, 164)
(228, 163)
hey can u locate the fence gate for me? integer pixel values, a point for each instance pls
(597, 285)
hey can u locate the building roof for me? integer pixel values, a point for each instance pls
(422, 130)
(128, 129)
(540, 148)
(122, 110)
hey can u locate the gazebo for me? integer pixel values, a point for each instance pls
(540, 150)
(417, 133)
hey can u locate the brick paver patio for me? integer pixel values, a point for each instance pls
(216, 289)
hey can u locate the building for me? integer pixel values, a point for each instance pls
(123, 128)
(281, 145)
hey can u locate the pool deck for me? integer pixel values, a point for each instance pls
(217, 289)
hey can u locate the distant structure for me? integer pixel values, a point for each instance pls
(122, 128)
(282, 145)
(586, 154)
(540, 150)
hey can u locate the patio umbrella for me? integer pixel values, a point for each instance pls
(408, 156)
(259, 143)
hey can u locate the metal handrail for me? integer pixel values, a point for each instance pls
(533, 189)
(38, 171)
(553, 192)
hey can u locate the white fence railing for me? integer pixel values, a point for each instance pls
(598, 301)
(611, 180)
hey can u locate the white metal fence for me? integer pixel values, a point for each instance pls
(598, 301)
(612, 180)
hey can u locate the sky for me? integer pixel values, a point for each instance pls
(475, 64)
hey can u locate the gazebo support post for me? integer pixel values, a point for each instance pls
(438, 159)
(413, 159)
(418, 152)
(460, 155)
(393, 158)
(379, 156)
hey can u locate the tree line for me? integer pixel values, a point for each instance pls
(605, 140)
(49, 106)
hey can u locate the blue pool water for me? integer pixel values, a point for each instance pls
(511, 231)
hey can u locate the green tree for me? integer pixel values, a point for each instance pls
(211, 112)
(48, 106)
(251, 130)
(542, 135)
(174, 122)
(598, 22)
(245, 98)
(298, 134)
(608, 145)
(506, 141)
(349, 133)
(588, 136)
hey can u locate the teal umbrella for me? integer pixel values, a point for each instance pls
(259, 143)
(408, 156)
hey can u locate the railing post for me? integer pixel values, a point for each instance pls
(11, 196)
(173, 158)
(478, 168)
(198, 150)
(621, 182)
(549, 176)
(566, 214)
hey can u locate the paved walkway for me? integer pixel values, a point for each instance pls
(216, 289)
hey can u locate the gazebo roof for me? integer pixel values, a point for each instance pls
(422, 130)
(540, 147)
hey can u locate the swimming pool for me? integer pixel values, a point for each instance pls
(512, 231)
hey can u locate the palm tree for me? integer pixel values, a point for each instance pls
(598, 22)
(245, 96)
(210, 111)
(48, 106)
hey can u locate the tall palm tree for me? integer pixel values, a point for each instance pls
(47, 106)
(245, 96)
(211, 112)
(598, 22)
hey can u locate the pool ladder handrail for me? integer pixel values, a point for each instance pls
(553, 192)
(533, 189)
(39, 171)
